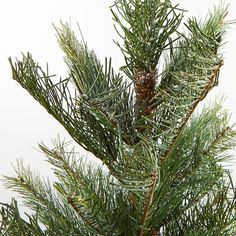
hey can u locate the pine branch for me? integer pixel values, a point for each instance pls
(142, 24)
(11, 223)
(144, 43)
(86, 220)
(162, 173)
(193, 70)
(39, 197)
(88, 190)
(213, 216)
(98, 84)
(29, 186)
(192, 109)
(190, 173)
(87, 128)
(148, 203)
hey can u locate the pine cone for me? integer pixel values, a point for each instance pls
(144, 84)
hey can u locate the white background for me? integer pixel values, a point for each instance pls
(26, 25)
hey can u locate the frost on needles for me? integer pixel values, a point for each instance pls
(162, 170)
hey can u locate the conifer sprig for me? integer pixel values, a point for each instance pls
(162, 167)
(147, 27)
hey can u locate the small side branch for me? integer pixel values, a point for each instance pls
(148, 202)
(219, 136)
(206, 89)
(88, 222)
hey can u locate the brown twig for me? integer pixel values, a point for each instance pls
(148, 202)
(89, 223)
(155, 232)
(202, 95)
(217, 139)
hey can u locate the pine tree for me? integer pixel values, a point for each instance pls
(162, 171)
